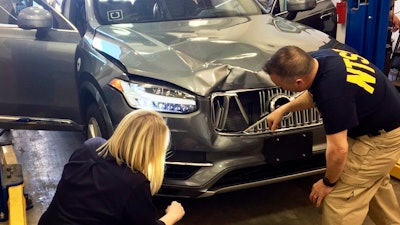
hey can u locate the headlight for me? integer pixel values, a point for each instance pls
(155, 97)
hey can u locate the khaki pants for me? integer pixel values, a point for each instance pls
(364, 186)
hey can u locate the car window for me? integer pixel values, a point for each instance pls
(75, 12)
(279, 7)
(56, 4)
(124, 11)
(267, 4)
(9, 10)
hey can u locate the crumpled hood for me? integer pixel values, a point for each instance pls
(207, 54)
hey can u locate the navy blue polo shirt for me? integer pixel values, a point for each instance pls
(353, 94)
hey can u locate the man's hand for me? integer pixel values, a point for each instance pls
(318, 192)
(394, 21)
(274, 119)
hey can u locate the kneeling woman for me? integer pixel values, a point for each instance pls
(112, 182)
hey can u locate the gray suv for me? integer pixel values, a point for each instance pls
(84, 64)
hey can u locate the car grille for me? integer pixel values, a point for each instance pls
(243, 111)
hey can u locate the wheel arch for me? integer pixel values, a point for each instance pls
(90, 92)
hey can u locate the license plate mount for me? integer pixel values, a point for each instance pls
(288, 147)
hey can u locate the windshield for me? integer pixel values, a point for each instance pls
(136, 11)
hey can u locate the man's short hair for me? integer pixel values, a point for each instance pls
(289, 62)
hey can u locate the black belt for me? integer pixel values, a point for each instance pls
(379, 132)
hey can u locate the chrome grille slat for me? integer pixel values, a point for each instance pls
(298, 118)
(225, 111)
(263, 103)
(219, 115)
(243, 112)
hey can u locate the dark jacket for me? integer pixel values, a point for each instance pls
(93, 190)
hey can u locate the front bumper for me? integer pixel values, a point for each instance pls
(251, 164)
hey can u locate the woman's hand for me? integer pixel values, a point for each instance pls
(173, 213)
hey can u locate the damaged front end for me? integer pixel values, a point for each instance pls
(210, 88)
(226, 145)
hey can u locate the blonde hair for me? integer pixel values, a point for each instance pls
(140, 141)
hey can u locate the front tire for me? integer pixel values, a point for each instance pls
(95, 123)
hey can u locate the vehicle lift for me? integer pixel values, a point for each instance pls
(13, 201)
(367, 29)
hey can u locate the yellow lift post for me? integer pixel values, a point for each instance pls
(13, 201)
(395, 172)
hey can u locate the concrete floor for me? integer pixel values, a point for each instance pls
(44, 153)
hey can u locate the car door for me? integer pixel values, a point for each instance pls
(37, 71)
(323, 17)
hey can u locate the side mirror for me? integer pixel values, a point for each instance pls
(300, 5)
(35, 17)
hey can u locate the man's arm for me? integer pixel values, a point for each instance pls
(336, 155)
(304, 101)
